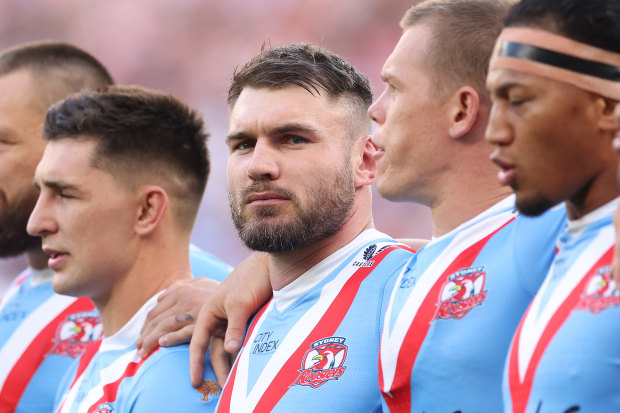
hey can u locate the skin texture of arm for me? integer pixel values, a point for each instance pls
(223, 318)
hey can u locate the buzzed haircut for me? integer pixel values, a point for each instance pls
(464, 34)
(594, 22)
(308, 66)
(143, 137)
(58, 69)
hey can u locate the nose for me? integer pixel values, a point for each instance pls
(376, 111)
(264, 162)
(498, 131)
(41, 221)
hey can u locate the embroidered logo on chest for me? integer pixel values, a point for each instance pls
(76, 333)
(322, 362)
(600, 292)
(462, 291)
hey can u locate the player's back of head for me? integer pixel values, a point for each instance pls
(464, 33)
(58, 69)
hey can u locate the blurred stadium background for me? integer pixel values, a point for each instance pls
(190, 48)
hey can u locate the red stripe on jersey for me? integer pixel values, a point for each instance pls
(399, 399)
(224, 403)
(520, 391)
(326, 327)
(110, 390)
(27, 365)
(85, 359)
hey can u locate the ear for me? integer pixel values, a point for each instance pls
(152, 204)
(365, 167)
(464, 111)
(609, 120)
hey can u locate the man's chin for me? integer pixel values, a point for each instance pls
(533, 206)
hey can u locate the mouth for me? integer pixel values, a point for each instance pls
(506, 174)
(265, 198)
(379, 151)
(57, 258)
(374, 143)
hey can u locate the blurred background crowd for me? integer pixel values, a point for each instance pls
(190, 48)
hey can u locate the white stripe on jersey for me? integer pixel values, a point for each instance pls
(107, 375)
(241, 400)
(467, 235)
(534, 324)
(28, 330)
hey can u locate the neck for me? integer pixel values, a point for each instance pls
(599, 191)
(464, 201)
(154, 270)
(286, 267)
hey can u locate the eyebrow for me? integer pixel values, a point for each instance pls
(278, 130)
(56, 186)
(504, 88)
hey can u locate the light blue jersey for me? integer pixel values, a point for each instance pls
(451, 318)
(565, 356)
(42, 333)
(113, 378)
(314, 346)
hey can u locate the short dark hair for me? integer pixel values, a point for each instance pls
(58, 69)
(308, 66)
(141, 134)
(464, 34)
(594, 22)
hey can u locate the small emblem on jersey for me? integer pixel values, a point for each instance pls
(208, 388)
(322, 362)
(462, 291)
(600, 292)
(105, 408)
(76, 333)
(369, 253)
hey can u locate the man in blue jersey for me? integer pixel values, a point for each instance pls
(554, 84)
(451, 318)
(300, 170)
(120, 182)
(38, 341)
(34, 352)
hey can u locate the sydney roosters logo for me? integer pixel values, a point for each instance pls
(462, 291)
(322, 362)
(76, 333)
(600, 292)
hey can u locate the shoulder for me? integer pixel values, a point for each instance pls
(205, 264)
(163, 384)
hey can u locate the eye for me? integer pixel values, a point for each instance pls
(242, 146)
(296, 140)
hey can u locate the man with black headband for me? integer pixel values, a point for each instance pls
(554, 84)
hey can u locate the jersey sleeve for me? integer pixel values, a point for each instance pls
(164, 385)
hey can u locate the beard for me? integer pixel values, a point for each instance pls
(533, 206)
(14, 240)
(329, 205)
